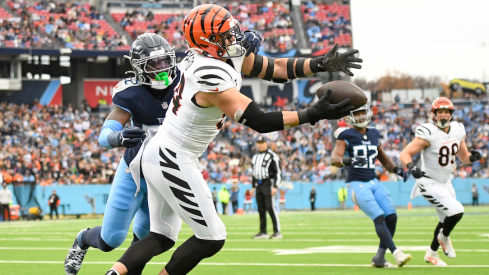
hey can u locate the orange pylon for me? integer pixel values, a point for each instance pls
(410, 206)
(356, 208)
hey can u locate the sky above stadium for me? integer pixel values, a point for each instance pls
(422, 37)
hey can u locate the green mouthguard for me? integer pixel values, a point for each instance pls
(163, 76)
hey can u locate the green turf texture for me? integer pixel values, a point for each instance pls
(39, 247)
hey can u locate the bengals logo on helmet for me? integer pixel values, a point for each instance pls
(207, 28)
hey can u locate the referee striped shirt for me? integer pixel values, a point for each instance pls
(266, 166)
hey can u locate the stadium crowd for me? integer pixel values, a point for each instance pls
(59, 145)
(53, 24)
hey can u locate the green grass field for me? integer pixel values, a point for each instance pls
(322, 242)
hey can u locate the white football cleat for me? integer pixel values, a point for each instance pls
(382, 263)
(432, 257)
(401, 258)
(446, 245)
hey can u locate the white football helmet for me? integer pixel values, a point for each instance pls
(360, 121)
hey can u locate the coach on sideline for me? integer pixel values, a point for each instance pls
(266, 177)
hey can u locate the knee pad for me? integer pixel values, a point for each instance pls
(379, 220)
(190, 253)
(102, 245)
(116, 238)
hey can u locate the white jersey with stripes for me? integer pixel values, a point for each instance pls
(188, 125)
(438, 160)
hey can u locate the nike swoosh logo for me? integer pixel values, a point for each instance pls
(214, 90)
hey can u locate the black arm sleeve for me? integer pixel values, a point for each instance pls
(260, 121)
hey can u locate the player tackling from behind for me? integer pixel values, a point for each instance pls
(439, 143)
(362, 147)
(207, 93)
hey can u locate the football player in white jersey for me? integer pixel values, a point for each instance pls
(207, 93)
(439, 143)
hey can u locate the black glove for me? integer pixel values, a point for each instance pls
(128, 137)
(356, 161)
(252, 41)
(335, 62)
(415, 171)
(325, 110)
(475, 156)
(401, 173)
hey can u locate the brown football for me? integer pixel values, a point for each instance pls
(342, 90)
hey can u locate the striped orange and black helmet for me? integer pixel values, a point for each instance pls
(206, 29)
(442, 103)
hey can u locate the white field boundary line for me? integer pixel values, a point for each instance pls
(330, 249)
(248, 264)
(261, 240)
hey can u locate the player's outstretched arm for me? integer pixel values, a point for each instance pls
(245, 111)
(389, 164)
(283, 69)
(113, 133)
(413, 148)
(465, 156)
(338, 153)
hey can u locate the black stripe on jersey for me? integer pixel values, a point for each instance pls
(202, 18)
(182, 196)
(207, 83)
(202, 222)
(169, 163)
(426, 128)
(192, 211)
(176, 181)
(173, 154)
(420, 131)
(211, 76)
(214, 17)
(212, 68)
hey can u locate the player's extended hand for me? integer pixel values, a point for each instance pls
(335, 62)
(252, 42)
(274, 191)
(415, 171)
(325, 110)
(401, 173)
(475, 156)
(128, 137)
(355, 161)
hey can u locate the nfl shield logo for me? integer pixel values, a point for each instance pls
(164, 105)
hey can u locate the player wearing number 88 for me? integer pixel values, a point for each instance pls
(439, 143)
(362, 147)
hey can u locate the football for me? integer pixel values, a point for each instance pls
(342, 90)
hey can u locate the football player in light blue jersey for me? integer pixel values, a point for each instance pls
(143, 101)
(362, 147)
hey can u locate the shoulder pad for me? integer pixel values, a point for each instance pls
(339, 131)
(124, 84)
(424, 131)
(213, 78)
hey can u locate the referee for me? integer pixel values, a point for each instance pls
(266, 176)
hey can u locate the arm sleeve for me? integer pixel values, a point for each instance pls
(109, 127)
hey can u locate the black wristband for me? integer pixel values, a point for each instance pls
(410, 165)
(303, 117)
(395, 169)
(314, 64)
(346, 161)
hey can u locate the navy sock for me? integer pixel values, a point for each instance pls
(390, 223)
(383, 233)
(93, 238)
